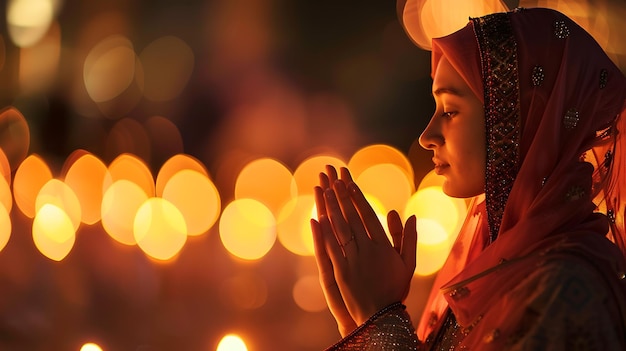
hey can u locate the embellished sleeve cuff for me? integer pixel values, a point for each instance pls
(388, 329)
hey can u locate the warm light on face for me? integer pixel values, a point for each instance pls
(120, 204)
(197, 199)
(30, 176)
(232, 342)
(159, 229)
(294, 229)
(53, 232)
(247, 229)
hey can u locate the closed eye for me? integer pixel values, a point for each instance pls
(449, 114)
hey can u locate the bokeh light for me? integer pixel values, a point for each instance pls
(197, 198)
(431, 203)
(85, 177)
(247, 229)
(159, 229)
(90, 347)
(308, 294)
(120, 204)
(53, 232)
(6, 198)
(293, 226)
(307, 173)
(371, 155)
(168, 63)
(174, 165)
(109, 68)
(232, 342)
(5, 227)
(268, 181)
(28, 20)
(59, 194)
(433, 247)
(37, 75)
(388, 183)
(130, 167)
(30, 176)
(14, 136)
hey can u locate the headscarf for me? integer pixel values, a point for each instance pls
(554, 110)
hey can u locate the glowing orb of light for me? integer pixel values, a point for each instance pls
(53, 232)
(433, 247)
(6, 198)
(159, 229)
(307, 173)
(5, 227)
(90, 347)
(372, 155)
(30, 176)
(308, 294)
(267, 181)
(174, 165)
(388, 183)
(14, 138)
(120, 204)
(28, 20)
(85, 177)
(431, 203)
(56, 192)
(294, 229)
(247, 229)
(232, 342)
(196, 197)
(132, 168)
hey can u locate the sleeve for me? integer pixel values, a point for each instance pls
(572, 310)
(388, 329)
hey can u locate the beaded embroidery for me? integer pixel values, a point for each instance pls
(498, 50)
(561, 30)
(537, 76)
(570, 120)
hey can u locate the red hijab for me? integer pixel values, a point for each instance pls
(554, 110)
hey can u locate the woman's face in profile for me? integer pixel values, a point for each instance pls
(456, 134)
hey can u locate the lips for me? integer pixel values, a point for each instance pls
(440, 166)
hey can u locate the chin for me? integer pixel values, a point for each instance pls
(460, 192)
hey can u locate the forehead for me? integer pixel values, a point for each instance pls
(447, 80)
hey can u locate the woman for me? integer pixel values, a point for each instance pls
(539, 262)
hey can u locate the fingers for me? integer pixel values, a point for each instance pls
(332, 174)
(394, 223)
(409, 243)
(367, 213)
(320, 203)
(340, 221)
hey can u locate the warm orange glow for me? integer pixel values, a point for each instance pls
(196, 197)
(168, 63)
(120, 204)
(307, 173)
(160, 229)
(294, 229)
(431, 179)
(6, 198)
(433, 247)
(109, 68)
(90, 347)
(14, 136)
(5, 227)
(128, 137)
(247, 229)
(53, 232)
(28, 20)
(85, 177)
(268, 181)
(35, 74)
(378, 154)
(5, 167)
(130, 167)
(431, 203)
(388, 183)
(427, 19)
(245, 291)
(174, 165)
(30, 176)
(59, 194)
(308, 295)
(232, 342)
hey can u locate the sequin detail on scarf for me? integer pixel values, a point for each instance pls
(502, 110)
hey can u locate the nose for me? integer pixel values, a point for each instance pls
(431, 136)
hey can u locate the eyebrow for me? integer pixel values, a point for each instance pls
(446, 90)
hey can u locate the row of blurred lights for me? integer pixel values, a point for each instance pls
(270, 202)
(230, 342)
